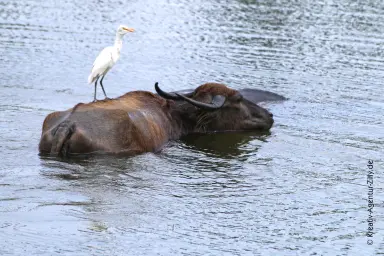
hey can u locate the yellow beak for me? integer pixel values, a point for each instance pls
(129, 29)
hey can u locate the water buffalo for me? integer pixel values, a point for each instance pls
(141, 121)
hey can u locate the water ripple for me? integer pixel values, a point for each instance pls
(297, 190)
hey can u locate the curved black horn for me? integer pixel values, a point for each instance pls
(166, 95)
(217, 102)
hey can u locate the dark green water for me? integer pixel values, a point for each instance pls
(300, 190)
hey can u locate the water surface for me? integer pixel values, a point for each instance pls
(298, 190)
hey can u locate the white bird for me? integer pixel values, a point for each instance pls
(107, 58)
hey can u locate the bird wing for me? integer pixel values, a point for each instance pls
(103, 61)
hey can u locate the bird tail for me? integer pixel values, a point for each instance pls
(91, 78)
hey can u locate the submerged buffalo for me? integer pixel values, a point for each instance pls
(141, 121)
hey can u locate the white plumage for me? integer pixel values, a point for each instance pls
(107, 58)
(102, 64)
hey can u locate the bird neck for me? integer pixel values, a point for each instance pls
(118, 42)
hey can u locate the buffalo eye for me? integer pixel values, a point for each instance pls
(237, 98)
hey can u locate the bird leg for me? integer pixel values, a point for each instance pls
(94, 96)
(102, 87)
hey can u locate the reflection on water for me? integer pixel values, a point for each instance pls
(226, 145)
(298, 190)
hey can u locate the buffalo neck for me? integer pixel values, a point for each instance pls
(183, 118)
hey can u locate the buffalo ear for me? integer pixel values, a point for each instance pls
(218, 100)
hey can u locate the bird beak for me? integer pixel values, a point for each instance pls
(129, 29)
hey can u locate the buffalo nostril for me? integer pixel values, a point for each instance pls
(270, 114)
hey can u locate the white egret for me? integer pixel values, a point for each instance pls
(107, 58)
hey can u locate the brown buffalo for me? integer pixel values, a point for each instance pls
(141, 121)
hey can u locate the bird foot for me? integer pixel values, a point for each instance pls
(107, 98)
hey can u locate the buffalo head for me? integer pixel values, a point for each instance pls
(215, 107)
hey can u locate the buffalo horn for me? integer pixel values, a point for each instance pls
(166, 95)
(217, 102)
